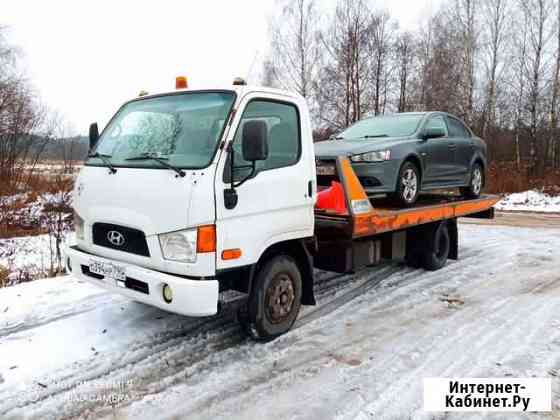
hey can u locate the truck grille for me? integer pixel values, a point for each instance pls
(130, 240)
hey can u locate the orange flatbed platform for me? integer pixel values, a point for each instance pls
(380, 216)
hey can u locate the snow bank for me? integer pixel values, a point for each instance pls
(29, 257)
(532, 200)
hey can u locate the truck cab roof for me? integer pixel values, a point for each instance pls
(240, 90)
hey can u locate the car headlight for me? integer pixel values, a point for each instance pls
(379, 156)
(179, 246)
(78, 226)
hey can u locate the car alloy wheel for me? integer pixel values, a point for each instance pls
(409, 181)
(476, 181)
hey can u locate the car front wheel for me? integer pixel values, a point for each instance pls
(408, 184)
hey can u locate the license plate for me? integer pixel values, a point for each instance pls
(325, 170)
(113, 271)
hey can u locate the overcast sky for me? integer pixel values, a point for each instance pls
(87, 57)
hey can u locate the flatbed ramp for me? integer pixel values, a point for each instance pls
(364, 231)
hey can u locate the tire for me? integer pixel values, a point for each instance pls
(476, 182)
(275, 300)
(435, 256)
(408, 185)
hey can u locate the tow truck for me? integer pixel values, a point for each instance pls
(192, 194)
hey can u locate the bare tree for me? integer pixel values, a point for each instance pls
(463, 17)
(342, 88)
(21, 117)
(405, 51)
(495, 14)
(553, 145)
(380, 42)
(537, 13)
(293, 61)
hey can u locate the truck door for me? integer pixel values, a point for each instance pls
(276, 204)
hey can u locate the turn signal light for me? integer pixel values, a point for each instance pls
(231, 254)
(206, 239)
(181, 82)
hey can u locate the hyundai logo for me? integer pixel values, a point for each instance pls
(115, 237)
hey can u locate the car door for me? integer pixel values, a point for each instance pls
(464, 147)
(276, 204)
(438, 155)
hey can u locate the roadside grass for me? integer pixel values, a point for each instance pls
(508, 177)
(36, 214)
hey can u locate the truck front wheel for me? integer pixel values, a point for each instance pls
(275, 300)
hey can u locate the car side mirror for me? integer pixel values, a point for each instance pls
(433, 133)
(93, 135)
(254, 142)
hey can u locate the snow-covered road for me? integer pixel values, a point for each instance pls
(70, 350)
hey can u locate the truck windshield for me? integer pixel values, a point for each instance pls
(182, 128)
(398, 125)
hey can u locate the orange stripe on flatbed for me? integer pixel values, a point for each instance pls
(379, 221)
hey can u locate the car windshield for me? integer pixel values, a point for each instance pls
(399, 125)
(182, 128)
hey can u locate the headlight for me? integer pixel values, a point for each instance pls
(372, 156)
(79, 226)
(179, 246)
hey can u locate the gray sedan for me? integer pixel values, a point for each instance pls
(404, 154)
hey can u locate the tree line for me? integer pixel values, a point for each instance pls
(493, 63)
(29, 131)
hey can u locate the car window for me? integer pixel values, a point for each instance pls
(397, 125)
(456, 128)
(284, 143)
(437, 122)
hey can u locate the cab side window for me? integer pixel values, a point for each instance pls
(284, 143)
(456, 128)
(437, 122)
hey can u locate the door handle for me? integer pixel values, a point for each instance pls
(310, 189)
(452, 146)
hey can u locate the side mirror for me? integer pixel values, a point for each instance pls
(433, 133)
(254, 142)
(93, 135)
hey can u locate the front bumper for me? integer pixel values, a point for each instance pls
(190, 297)
(378, 176)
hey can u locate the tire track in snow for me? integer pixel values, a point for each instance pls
(202, 335)
(37, 320)
(236, 388)
(174, 348)
(214, 336)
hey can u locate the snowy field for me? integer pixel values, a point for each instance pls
(532, 200)
(70, 350)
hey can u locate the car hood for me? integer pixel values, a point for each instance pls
(333, 148)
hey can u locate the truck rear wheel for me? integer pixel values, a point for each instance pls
(435, 256)
(275, 299)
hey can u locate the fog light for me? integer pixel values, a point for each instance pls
(167, 293)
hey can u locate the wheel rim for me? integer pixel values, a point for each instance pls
(280, 297)
(476, 181)
(409, 182)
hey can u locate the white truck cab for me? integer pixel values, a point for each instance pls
(163, 217)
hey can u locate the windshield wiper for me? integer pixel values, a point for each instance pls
(373, 136)
(106, 160)
(160, 159)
